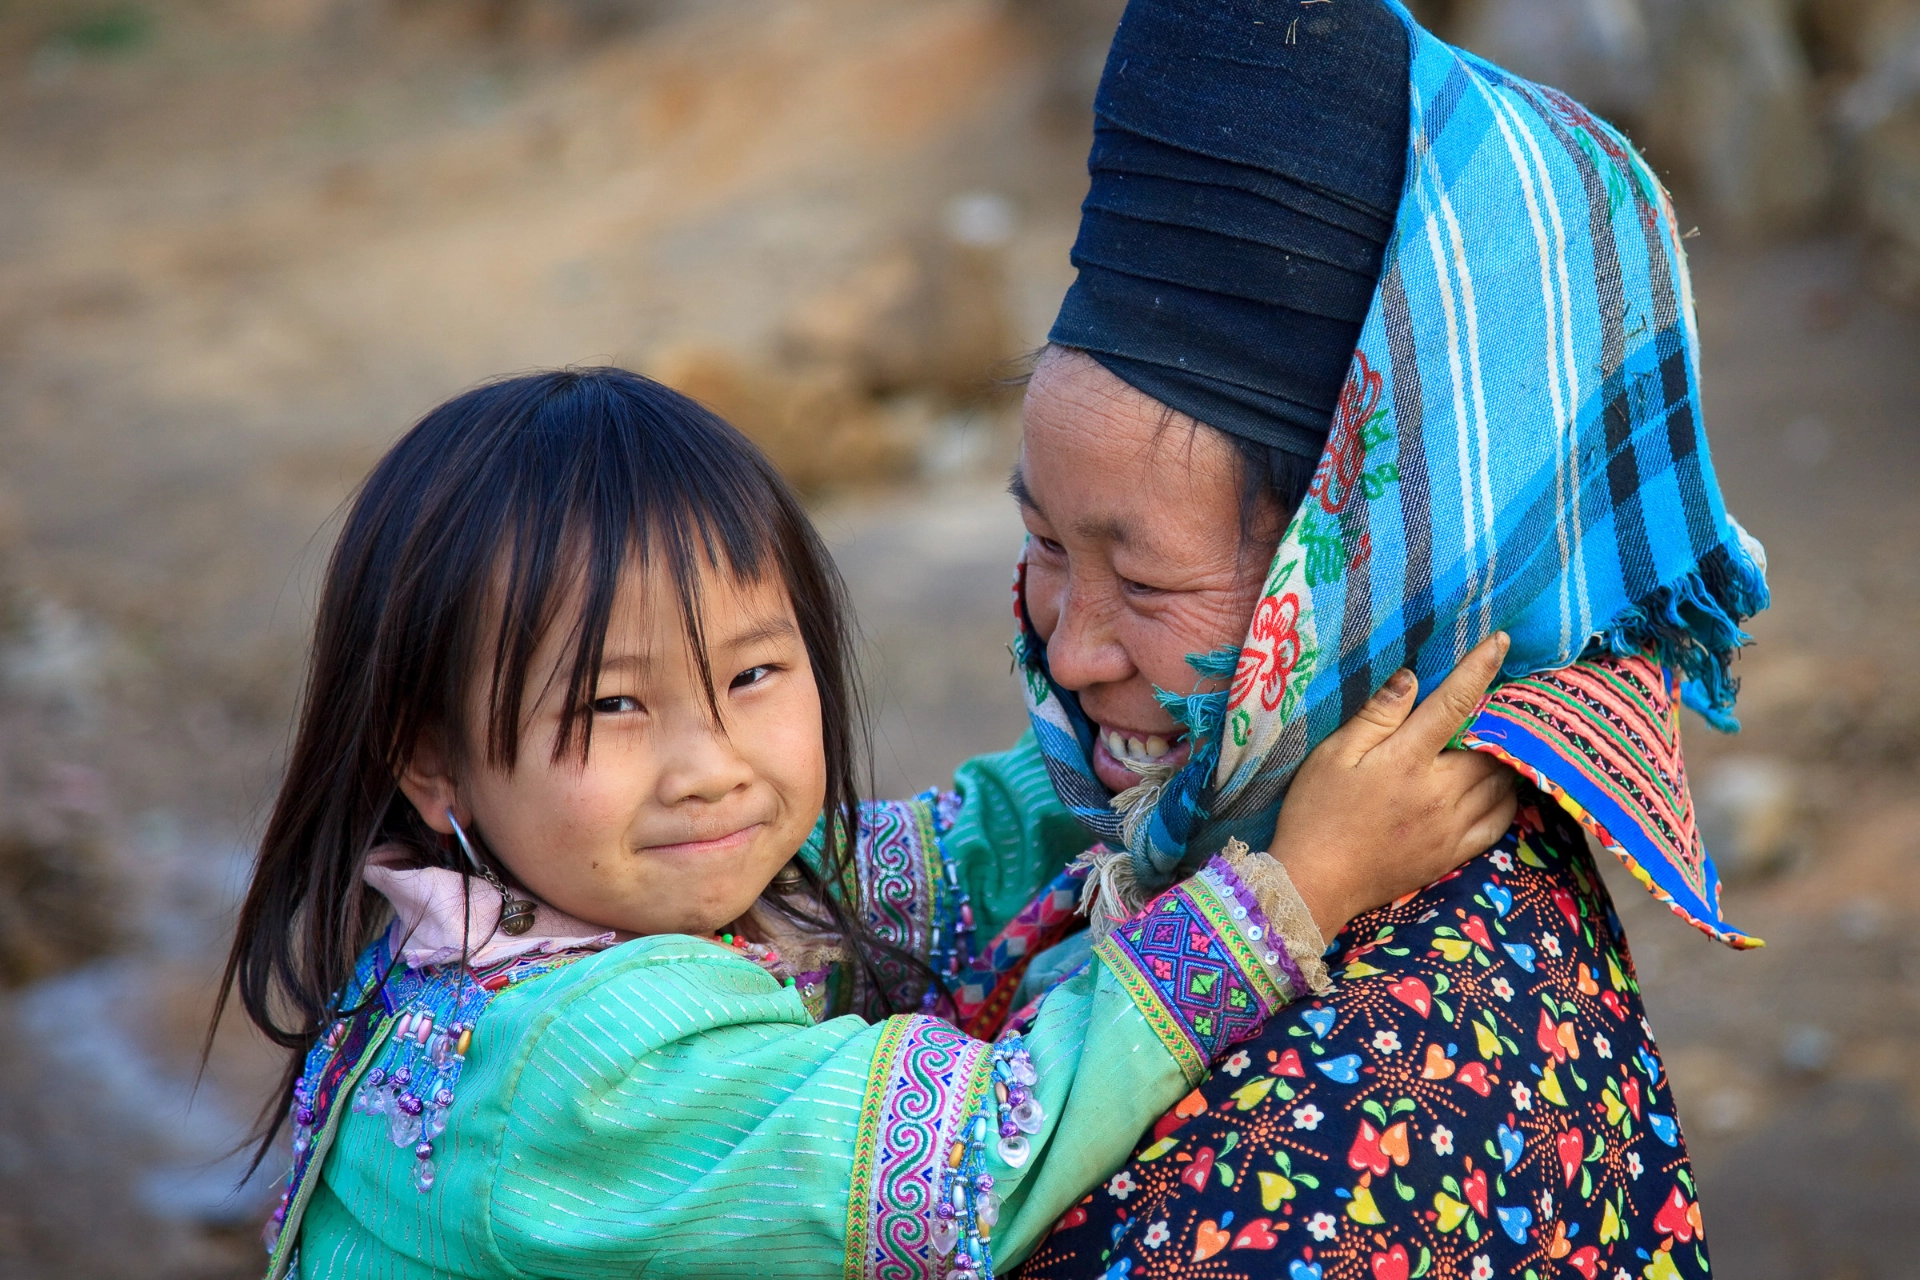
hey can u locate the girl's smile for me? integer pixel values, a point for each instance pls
(686, 804)
(731, 842)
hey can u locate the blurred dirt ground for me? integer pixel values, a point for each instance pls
(244, 242)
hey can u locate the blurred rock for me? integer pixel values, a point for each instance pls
(1599, 51)
(1074, 35)
(1861, 920)
(1879, 40)
(980, 220)
(55, 904)
(49, 654)
(1748, 808)
(817, 425)
(1734, 111)
(928, 314)
(1807, 1050)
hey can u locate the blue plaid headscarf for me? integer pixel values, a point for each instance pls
(1516, 444)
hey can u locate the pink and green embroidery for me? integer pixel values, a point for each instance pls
(1195, 962)
(922, 1202)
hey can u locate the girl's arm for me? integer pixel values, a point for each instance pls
(975, 881)
(683, 1115)
(672, 1111)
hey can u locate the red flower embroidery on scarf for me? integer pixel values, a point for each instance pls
(1339, 471)
(1273, 650)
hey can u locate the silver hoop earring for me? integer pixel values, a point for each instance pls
(516, 914)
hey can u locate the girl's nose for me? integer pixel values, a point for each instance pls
(1084, 649)
(702, 764)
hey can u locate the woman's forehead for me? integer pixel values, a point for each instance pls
(1104, 462)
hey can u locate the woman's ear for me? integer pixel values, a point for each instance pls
(428, 783)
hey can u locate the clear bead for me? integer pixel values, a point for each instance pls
(1023, 1071)
(1015, 1150)
(990, 1210)
(946, 1235)
(434, 1120)
(402, 1128)
(1027, 1116)
(423, 1173)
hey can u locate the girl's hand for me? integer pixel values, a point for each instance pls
(1381, 808)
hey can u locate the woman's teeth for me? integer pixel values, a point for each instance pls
(1146, 750)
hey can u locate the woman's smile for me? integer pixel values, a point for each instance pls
(1115, 749)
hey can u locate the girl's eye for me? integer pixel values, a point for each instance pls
(615, 705)
(752, 676)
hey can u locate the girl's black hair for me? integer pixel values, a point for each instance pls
(461, 550)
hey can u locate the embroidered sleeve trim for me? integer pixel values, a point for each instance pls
(1198, 978)
(983, 995)
(911, 891)
(1602, 738)
(1265, 943)
(923, 1109)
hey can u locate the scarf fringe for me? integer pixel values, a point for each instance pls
(1136, 804)
(1111, 893)
(1692, 627)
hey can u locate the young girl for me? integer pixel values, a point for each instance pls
(578, 968)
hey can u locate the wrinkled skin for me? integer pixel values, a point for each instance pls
(1139, 556)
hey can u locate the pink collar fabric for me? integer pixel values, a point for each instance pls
(442, 916)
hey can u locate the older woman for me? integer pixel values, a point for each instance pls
(1375, 349)
(1514, 442)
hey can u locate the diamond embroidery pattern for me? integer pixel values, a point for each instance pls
(1175, 948)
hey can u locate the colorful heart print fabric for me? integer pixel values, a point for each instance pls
(1478, 1097)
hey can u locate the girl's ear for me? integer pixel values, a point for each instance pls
(429, 786)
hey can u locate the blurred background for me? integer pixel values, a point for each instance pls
(244, 243)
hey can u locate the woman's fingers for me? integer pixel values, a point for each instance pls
(1378, 719)
(1462, 771)
(1435, 721)
(1495, 788)
(1487, 805)
(1486, 829)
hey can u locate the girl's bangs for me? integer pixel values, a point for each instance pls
(587, 494)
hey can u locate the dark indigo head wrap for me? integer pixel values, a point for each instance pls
(1247, 163)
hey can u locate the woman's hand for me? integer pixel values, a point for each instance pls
(1381, 808)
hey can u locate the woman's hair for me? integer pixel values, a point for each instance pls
(1269, 474)
(471, 539)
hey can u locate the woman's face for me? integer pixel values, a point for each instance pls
(1136, 558)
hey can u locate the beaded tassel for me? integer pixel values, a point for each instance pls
(951, 946)
(414, 1088)
(967, 1208)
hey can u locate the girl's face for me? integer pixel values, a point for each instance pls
(674, 823)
